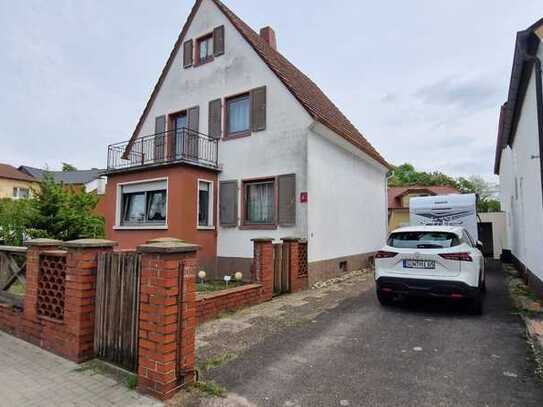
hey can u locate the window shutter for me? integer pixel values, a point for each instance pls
(287, 199)
(218, 41)
(215, 118)
(160, 128)
(258, 109)
(228, 203)
(187, 54)
(194, 118)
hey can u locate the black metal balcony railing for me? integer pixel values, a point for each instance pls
(180, 145)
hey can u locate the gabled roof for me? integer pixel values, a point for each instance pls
(526, 45)
(396, 193)
(10, 172)
(66, 177)
(308, 94)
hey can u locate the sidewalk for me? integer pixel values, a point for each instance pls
(30, 376)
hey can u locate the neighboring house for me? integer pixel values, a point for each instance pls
(398, 201)
(14, 183)
(519, 155)
(236, 143)
(88, 180)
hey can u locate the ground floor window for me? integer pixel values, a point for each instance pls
(143, 204)
(21, 193)
(259, 197)
(205, 204)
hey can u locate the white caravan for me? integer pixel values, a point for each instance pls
(450, 210)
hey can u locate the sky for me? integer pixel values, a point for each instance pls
(423, 80)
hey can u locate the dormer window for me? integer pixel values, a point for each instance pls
(204, 49)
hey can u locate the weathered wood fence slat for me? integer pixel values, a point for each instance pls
(117, 301)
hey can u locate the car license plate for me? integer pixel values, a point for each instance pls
(419, 264)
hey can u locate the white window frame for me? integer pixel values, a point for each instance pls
(211, 225)
(119, 209)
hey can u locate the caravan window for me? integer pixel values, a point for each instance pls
(423, 240)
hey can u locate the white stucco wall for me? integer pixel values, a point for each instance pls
(499, 233)
(520, 171)
(347, 209)
(280, 149)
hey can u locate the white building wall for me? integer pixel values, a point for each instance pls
(521, 171)
(347, 209)
(280, 149)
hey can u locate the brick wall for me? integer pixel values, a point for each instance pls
(209, 306)
(72, 335)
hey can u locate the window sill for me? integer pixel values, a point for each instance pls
(142, 227)
(234, 136)
(258, 227)
(205, 227)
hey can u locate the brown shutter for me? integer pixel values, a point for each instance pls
(160, 128)
(192, 138)
(187, 54)
(258, 109)
(215, 118)
(287, 199)
(228, 203)
(218, 41)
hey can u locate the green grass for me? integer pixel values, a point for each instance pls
(17, 288)
(211, 388)
(211, 286)
(218, 361)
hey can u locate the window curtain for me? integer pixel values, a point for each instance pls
(238, 115)
(157, 206)
(203, 199)
(260, 203)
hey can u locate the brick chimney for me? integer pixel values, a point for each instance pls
(268, 35)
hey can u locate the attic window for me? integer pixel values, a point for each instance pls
(204, 49)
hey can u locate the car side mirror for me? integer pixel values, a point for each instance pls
(480, 245)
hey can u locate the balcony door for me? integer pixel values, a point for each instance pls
(180, 141)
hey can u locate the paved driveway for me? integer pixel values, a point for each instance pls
(30, 376)
(360, 354)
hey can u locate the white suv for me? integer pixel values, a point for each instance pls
(430, 261)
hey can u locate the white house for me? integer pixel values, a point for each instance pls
(236, 143)
(519, 155)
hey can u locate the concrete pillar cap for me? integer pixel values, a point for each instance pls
(42, 242)
(291, 239)
(89, 243)
(166, 239)
(168, 247)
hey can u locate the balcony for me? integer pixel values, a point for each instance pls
(174, 146)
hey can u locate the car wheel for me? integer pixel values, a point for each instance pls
(384, 299)
(476, 305)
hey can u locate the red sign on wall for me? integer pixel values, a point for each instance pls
(303, 197)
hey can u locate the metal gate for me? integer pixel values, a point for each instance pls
(281, 269)
(117, 305)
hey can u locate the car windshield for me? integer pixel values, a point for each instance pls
(423, 240)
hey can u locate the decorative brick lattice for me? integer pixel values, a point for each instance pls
(302, 258)
(51, 285)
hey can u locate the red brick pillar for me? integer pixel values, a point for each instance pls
(263, 265)
(31, 327)
(80, 296)
(167, 320)
(292, 244)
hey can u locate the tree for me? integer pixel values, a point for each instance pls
(66, 214)
(407, 175)
(52, 212)
(68, 167)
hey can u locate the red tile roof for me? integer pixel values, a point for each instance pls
(10, 172)
(395, 193)
(310, 96)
